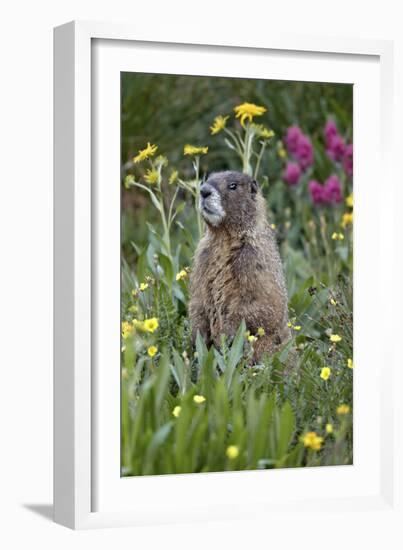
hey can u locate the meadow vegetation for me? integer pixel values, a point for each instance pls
(184, 407)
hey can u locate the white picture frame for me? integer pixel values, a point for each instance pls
(88, 491)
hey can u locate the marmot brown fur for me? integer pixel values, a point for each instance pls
(237, 272)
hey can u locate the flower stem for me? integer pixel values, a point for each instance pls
(259, 158)
(197, 196)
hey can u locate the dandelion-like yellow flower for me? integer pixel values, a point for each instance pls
(343, 409)
(218, 124)
(261, 331)
(232, 452)
(350, 363)
(144, 154)
(152, 176)
(129, 181)
(161, 160)
(252, 338)
(176, 411)
(246, 111)
(181, 275)
(329, 428)
(337, 236)
(152, 350)
(325, 373)
(173, 177)
(199, 399)
(350, 201)
(150, 325)
(192, 150)
(262, 131)
(127, 329)
(335, 338)
(312, 441)
(346, 220)
(143, 286)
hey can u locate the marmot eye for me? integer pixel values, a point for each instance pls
(232, 186)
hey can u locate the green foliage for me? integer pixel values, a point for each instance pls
(188, 408)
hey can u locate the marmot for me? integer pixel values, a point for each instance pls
(237, 272)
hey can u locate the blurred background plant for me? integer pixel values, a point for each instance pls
(186, 410)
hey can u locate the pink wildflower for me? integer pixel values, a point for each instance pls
(292, 173)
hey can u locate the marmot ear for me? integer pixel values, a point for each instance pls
(254, 186)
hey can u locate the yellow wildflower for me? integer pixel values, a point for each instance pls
(289, 324)
(246, 111)
(333, 302)
(325, 373)
(144, 154)
(252, 338)
(199, 399)
(346, 220)
(261, 331)
(337, 236)
(343, 409)
(329, 428)
(350, 201)
(129, 181)
(152, 350)
(282, 153)
(143, 286)
(218, 124)
(262, 131)
(127, 329)
(335, 338)
(273, 226)
(152, 176)
(176, 411)
(312, 441)
(150, 325)
(161, 160)
(350, 363)
(232, 452)
(296, 327)
(173, 177)
(181, 275)
(192, 150)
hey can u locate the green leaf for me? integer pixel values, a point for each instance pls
(235, 354)
(287, 428)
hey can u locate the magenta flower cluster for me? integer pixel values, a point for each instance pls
(300, 148)
(328, 193)
(337, 149)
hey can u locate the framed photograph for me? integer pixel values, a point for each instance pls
(219, 237)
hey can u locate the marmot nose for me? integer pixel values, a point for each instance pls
(205, 191)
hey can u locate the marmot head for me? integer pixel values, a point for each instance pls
(231, 200)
